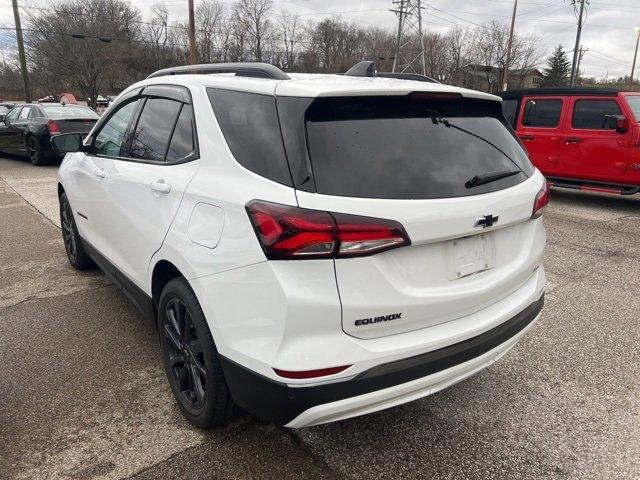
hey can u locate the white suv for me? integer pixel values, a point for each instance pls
(310, 247)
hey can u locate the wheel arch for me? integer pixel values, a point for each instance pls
(163, 272)
(60, 189)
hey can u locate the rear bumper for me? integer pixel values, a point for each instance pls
(379, 387)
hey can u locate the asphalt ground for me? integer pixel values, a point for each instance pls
(83, 393)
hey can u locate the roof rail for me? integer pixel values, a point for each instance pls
(248, 69)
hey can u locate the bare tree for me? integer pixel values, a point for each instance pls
(209, 17)
(254, 18)
(291, 33)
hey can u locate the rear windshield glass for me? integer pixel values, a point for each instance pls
(634, 103)
(63, 113)
(408, 148)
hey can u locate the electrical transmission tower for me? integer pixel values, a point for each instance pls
(410, 41)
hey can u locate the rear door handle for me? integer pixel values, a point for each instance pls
(527, 137)
(160, 187)
(573, 140)
(98, 172)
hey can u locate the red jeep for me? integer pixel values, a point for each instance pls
(582, 138)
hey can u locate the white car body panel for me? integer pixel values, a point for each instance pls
(299, 314)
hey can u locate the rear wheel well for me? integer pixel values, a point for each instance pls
(163, 273)
(60, 190)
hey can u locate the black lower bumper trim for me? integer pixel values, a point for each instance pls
(278, 403)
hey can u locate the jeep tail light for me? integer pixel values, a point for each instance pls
(288, 233)
(53, 127)
(542, 199)
(302, 374)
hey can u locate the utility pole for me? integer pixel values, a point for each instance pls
(23, 60)
(581, 53)
(193, 55)
(505, 71)
(409, 54)
(635, 56)
(574, 64)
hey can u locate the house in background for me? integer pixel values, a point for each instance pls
(486, 78)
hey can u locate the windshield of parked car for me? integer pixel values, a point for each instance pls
(634, 103)
(3, 109)
(67, 113)
(408, 148)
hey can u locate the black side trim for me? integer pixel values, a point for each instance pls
(135, 294)
(278, 403)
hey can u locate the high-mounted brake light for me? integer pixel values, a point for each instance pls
(435, 95)
(301, 374)
(288, 233)
(542, 199)
(53, 127)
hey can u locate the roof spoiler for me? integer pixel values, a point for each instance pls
(247, 69)
(367, 68)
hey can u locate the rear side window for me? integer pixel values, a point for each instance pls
(25, 113)
(510, 111)
(405, 148)
(249, 123)
(150, 139)
(542, 113)
(594, 114)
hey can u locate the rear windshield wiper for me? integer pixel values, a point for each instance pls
(489, 177)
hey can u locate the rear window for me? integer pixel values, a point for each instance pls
(408, 148)
(249, 123)
(67, 113)
(634, 104)
(542, 113)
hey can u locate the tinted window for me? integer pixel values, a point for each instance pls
(542, 113)
(153, 131)
(410, 149)
(249, 123)
(70, 112)
(182, 140)
(594, 114)
(112, 133)
(510, 110)
(634, 103)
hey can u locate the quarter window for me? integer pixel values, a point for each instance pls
(595, 114)
(153, 131)
(25, 113)
(110, 139)
(542, 113)
(182, 140)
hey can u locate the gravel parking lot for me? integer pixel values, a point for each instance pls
(83, 393)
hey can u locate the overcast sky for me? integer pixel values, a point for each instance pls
(608, 32)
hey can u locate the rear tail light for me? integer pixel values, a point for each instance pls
(301, 374)
(287, 233)
(542, 199)
(53, 127)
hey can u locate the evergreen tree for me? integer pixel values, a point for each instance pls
(558, 70)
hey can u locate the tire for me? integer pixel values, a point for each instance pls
(34, 150)
(78, 257)
(191, 360)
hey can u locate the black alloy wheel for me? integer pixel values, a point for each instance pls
(78, 257)
(184, 354)
(191, 359)
(34, 150)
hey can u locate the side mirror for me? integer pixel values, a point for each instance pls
(67, 142)
(619, 123)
